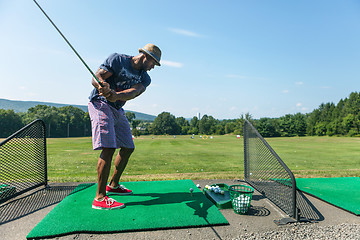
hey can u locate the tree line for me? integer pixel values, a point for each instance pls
(342, 119)
(66, 121)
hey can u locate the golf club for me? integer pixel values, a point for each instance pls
(77, 54)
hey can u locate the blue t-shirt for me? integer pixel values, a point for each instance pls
(123, 77)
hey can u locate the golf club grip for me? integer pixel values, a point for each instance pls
(100, 83)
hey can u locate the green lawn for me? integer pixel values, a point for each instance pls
(166, 157)
(319, 156)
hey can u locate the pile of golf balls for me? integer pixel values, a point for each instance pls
(240, 204)
(215, 189)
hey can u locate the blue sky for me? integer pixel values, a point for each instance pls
(224, 59)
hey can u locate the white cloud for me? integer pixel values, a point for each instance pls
(233, 108)
(299, 83)
(300, 106)
(185, 32)
(171, 64)
(285, 91)
(304, 109)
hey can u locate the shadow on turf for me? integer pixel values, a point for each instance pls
(33, 202)
(200, 209)
(192, 200)
(166, 198)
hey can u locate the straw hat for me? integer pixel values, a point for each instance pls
(153, 51)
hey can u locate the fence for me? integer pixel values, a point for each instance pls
(267, 173)
(23, 161)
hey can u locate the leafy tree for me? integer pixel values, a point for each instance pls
(135, 132)
(50, 116)
(348, 122)
(165, 124)
(61, 122)
(320, 129)
(219, 129)
(312, 119)
(87, 124)
(184, 125)
(341, 119)
(241, 121)
(10, 122)
(194, 126)
(230, 127)
(72, 120)
(207, 125)
(299, 121)
(135, 123)
(46, 113)
(267, 127)
(130, 116)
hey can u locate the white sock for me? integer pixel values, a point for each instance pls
(100, 200)
(113, 187)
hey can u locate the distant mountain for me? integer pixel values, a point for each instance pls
(23, 106)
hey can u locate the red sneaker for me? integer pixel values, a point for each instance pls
(120, 190)
(107, 204)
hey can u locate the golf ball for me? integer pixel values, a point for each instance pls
(198, 185)
(222, 192)
(206, 186)
(191, 189)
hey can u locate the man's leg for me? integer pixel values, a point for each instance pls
(103, 170)
(121, 161)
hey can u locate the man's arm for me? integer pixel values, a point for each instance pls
(127, 94)
(102, 75)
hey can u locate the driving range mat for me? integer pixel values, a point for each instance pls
(154, 205)
(341, 192)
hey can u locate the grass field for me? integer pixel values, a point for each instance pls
(166, 157)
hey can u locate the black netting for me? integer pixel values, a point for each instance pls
(267, 173)
(23, 161)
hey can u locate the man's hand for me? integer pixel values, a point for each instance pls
(102, 75)
(112, 96)
(104, 90)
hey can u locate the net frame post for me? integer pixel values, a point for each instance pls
(294, 213)
(46, 183)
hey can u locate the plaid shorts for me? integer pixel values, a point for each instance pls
(110, 127)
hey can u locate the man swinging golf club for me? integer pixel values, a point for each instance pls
(123, 78)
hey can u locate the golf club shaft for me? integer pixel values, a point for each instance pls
(69, 44)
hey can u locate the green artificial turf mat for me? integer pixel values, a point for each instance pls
(341, 192)
(154, 205)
